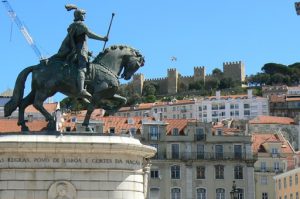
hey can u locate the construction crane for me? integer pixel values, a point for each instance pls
(12, 14)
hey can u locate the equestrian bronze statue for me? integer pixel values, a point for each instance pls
(48, 78)
(70, 72)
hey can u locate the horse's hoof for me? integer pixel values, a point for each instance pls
(24, 129)
(88, 129)
(51, 126)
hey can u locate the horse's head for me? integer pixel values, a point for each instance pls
(131, 63)
(122, 60)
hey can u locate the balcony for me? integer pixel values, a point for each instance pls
(269, 170)
(200, 137)
(184, 156)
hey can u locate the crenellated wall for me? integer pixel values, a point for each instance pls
(175, 83)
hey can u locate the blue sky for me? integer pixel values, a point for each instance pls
(197, 32)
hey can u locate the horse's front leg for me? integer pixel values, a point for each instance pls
(86, 122)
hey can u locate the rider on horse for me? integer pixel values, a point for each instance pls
(74, 49)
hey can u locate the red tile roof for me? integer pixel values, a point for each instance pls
(10, 125)
(263, 119)
(180, 124)
(50, 107)
(259, 139)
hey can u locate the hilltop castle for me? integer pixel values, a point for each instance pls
(175, 82)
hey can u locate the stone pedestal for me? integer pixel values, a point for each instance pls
(73, 167)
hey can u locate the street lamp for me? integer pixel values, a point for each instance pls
(234, 194)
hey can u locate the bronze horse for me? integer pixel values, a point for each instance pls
(54, 76)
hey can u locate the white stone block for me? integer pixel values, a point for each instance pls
(15, 185)
(40, 195)
(115, 195)
(8, 174)
(99, 175)
(62, 175)
(24, 194)
(7, 194)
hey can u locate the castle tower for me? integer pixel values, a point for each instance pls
(199, 73)
(172, 81)
(234, 70)
(138, 83)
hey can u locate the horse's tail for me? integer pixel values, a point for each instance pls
(18, 93)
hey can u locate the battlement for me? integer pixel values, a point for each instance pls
(172, 70)
(156, 79)
(232, 63)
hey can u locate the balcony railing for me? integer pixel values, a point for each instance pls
(203, 156)
(269, 170)
(200, 137)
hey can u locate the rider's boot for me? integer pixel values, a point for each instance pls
(83, 94)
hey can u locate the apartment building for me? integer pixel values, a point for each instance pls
(287, 184)
(195, 161)
(238, 107)
(208, 109)
(272, 151)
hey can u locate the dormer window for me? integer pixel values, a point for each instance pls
(112, 130)
(175, 131)
(219, 132)
(132, 131)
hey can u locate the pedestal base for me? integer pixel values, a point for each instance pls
(73, 167)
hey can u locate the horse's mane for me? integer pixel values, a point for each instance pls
(115, 47)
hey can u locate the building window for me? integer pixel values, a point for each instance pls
(296, 179)
(274, 152)
(199, 134)
(238, 172)
(241, 193)
(154, 193)
(200, 172)
(220, 193)
(132, 131)
(175, 193)
(237, 151)
(246, 112)
(291, 181)
(276, 167)
(156, 154)
(284, 182)
(175, 131)
(297, 195)
(175, 172)
(263, 180)
(219, 170)
(264, 195)
(154, 174)
(219, 151)
(291, 196)
(246, 106)
(201, 193)
(175, 151)
(154, 133)
(263, 166)
(279, 184)
(200, 151)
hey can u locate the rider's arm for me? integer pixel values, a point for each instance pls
(95, 36)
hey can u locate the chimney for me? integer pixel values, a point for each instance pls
(249, 91)
(218, 95)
